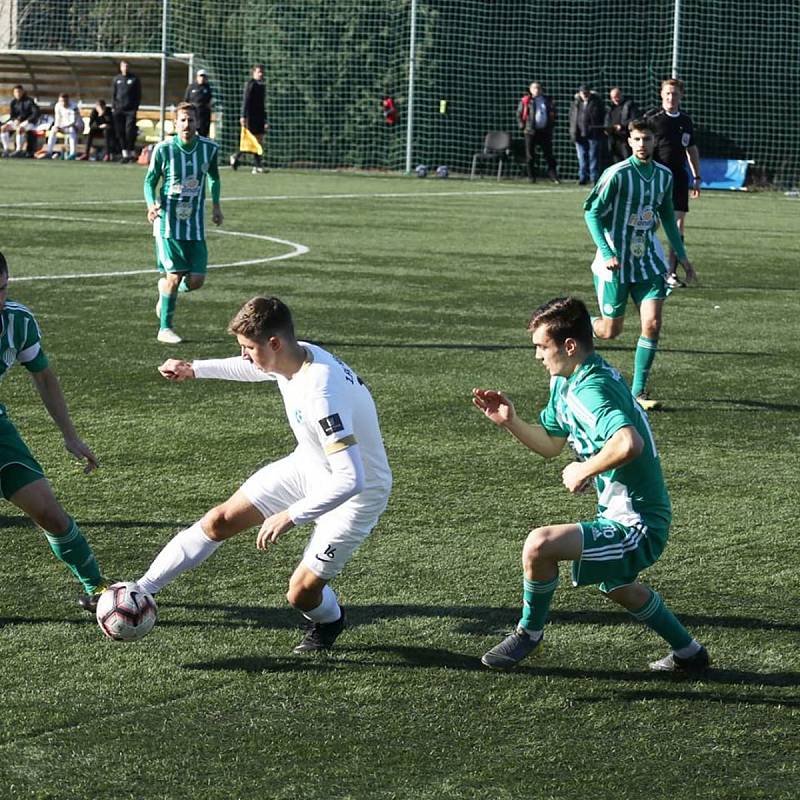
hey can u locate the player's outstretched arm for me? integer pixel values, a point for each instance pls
(174, 369)
(49, 390)
(500, 410)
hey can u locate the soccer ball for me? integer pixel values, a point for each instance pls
(125, 612)
(442, 172)
(422, 171)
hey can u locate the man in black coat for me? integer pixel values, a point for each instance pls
(253, 116)
(622, 111)
(126, 95)
(587, 116)
(200, 95)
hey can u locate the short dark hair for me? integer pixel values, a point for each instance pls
(258, 66)
(189, 108)
(3, 265)
(18, 86)
(260, 318)
(565, 318)
(640, 124)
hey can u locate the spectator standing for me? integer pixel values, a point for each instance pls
(536, 113)
(126, 95)
(622, 111)
(253, 116)
(586, 129)
(101, 124)
(23, 116)
(201, 96)
(67, 121)
(675, 144)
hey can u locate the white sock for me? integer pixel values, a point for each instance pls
(328, 610)
(688, 651)
(185, 550)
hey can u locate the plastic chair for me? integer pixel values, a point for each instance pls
(496, 147)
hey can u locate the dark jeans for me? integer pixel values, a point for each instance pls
(543, 139)
(125, 128)
(588, 151)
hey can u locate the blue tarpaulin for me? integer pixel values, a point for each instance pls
(723, 173)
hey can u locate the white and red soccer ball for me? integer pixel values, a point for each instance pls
(125, 612)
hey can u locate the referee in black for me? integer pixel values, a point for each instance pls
(675, 144)
(201, 96)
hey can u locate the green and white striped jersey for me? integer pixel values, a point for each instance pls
(623, 212)
(20, 340)
(588, 408)
(183, 171)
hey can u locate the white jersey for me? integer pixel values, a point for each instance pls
(328, 408)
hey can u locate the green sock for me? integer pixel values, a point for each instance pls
(72, 548)
(168, 303)
(660, 619)
(642, 361)
(536, 599)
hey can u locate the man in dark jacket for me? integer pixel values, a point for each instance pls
(536, 113)
(126, 95)
(252, 116)
(586, 129)
(23, 116)
(622, 111)
(199, 94)
(101, 126)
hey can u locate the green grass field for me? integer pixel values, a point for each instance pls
(425, 287)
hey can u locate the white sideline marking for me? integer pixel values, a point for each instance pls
(340, 196)
(297, 250)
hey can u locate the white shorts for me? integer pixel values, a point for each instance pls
(337, 534)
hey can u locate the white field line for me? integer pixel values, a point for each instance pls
(297, 249)
(284, 197)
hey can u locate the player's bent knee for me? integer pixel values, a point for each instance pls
(195, 281)
(217, 525)
(535, 548)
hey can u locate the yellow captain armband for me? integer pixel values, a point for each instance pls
(342, 444)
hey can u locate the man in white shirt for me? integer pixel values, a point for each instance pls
(67, 121)
(338, 476)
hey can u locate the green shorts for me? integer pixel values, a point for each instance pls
(614, 554)
(18, 467)
(612, 296)
(181, 255)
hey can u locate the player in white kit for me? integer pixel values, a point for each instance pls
(338, 476)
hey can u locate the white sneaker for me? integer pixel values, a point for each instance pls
(168, 336)
(258, 170)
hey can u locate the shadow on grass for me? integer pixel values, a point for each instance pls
(473, 620)
(413, 657)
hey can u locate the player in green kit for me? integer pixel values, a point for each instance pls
(22, 480)
(622, 213)
(592, 408)
(183, 165)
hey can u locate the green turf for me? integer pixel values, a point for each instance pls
(425, 287)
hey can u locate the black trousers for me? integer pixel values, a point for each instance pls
(125, 128)
(203, 120)
(543, 139)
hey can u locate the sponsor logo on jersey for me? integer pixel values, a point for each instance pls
(644, 219)
(332, 424)
(298, 415)
(183, 211)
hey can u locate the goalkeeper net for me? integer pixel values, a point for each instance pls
(331, 66)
